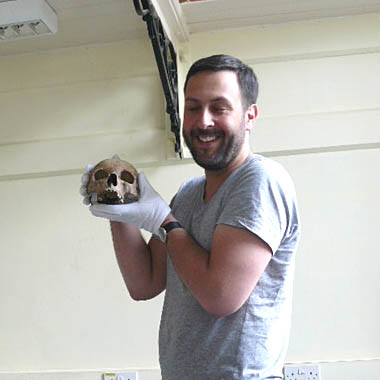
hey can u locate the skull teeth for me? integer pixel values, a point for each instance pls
(110, 197)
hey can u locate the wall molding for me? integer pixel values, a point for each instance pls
(190, 161)
(148, 74)
(321, 113)
(313, 55)
(84, 47)
(320, 150)
(323, 361)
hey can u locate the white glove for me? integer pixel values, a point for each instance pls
(83, 188)
(148, 212)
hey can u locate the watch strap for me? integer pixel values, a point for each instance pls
(171, 226)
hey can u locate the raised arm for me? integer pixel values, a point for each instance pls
(143, 266)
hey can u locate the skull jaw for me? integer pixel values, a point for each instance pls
(111, 197)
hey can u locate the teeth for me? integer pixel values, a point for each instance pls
(112, 194)
(207, 138)
(110, 197)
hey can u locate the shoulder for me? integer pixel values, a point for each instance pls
(263, 166)
(261, 172)
(261, 198)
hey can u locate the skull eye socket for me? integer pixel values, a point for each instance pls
(100, 174)
(127, 176)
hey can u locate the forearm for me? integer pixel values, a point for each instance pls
(221, 280)
(142, 273)
(192, 265)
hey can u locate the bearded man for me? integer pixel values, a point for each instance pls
(224, 250)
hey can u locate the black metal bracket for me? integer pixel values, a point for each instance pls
(166, 59)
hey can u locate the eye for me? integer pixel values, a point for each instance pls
(127, 176)
(100, 174)
(192, 109)
(191, 106)
(220, 109)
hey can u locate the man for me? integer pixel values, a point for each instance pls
(227, 259)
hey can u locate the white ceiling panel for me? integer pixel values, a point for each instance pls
(212, 15)
(84, 22)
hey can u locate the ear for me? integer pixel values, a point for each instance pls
(250, 116)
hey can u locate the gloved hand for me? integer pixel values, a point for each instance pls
(83, 188)
(148, 212)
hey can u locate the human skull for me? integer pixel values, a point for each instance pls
(114, 181)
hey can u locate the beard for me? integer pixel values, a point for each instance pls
(225, 154)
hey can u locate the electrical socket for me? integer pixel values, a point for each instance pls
(120, 376)
(302, 372)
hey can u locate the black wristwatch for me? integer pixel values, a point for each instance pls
(164, 231)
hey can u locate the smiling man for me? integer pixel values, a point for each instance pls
(216, 121)
(224, 250)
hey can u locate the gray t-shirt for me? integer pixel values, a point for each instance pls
(252, 342)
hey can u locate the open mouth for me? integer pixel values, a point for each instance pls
(207, 138)
(110, 197)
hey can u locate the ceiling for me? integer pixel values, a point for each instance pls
(89, 22)
(217, 14)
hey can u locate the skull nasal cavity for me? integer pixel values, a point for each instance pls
(112, 180)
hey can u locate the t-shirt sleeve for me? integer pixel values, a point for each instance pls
(260, 200)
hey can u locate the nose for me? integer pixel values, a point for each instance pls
(112, 180)
(205, 118)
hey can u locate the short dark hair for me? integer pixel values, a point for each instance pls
(247, 79)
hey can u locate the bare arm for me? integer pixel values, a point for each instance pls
(223, 280)
(143, 266)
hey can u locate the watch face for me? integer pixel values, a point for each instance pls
(162, 234)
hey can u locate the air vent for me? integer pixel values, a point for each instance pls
(26, 19)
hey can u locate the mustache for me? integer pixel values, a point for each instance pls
(208, 132)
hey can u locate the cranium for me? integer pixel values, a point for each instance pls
(114, 181)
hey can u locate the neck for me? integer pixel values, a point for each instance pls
(215, 178)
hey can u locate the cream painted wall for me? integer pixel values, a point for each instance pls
(64, 305)
(65, 311)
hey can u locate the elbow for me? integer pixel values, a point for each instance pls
(144, 294)
(222, 302)
(138, 297)
(220, 309)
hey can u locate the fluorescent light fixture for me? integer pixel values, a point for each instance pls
(26, 19)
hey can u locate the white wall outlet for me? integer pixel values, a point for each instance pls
(120, 376)
(302, 372)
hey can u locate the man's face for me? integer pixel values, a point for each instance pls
(214, 124)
